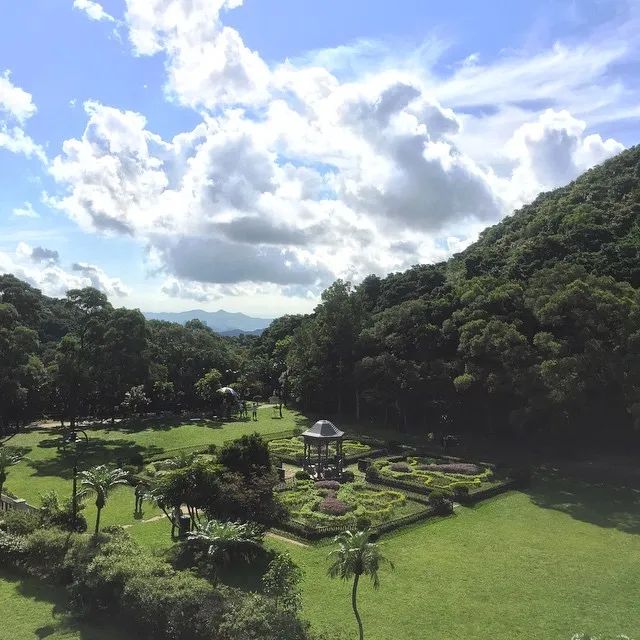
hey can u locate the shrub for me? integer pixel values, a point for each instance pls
(398, 459)
(363, 522)
(12, 550)
(364, 464)
(19, 523)
(45, 551)
(440, 502)
(400, 467)
(332, 506)
(348, 476)
(373, 473)
(212, 449)
(60, 514)
(334, 485)
(301, 474)
(460, 491)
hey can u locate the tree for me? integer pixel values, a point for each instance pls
(100, 481)
(207, 387)
(246, 455)
(227, 542)
(355, 556)
(8, 457)
(281, 582)
(135, 400)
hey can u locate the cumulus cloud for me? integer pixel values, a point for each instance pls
(100, 280)
(16, 107)
(94, 10)
(207, 63)
(298, 172)
(553, 150)
(41, 268)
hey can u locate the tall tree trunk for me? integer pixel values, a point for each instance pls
(354, 604)
(98, 521)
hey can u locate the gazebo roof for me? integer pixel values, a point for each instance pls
(323, 430)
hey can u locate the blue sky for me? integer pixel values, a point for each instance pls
(215, 153)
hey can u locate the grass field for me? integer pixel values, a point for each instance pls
(507, 569)
(46, 468)
(30, 609)
(561, 558)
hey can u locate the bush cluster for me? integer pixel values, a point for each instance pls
(110, 575)
(334, 485)
(464, 468)
(400, 467)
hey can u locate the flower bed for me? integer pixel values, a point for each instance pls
(429, 474)
(293, 448)
(315, 505)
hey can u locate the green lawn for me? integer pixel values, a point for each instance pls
(506, 569)
(30, 609)
(562, 558)
(46, 468)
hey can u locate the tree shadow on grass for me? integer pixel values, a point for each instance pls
(602, 501)
(97, 451)
(62, 622)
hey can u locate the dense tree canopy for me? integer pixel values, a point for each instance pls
(534, 329)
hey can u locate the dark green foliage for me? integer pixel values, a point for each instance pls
(18, 522)
(533, 331)
(440, 502)
(301, 474)
(246, 455)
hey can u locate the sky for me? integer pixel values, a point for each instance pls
(243, 154)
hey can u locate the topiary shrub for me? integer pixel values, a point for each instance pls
(363, 522)
(364, 464)
(400, 467)
(332, 506)
(440, 502)
(373, 473)
(136, 459)
(460, 491)
(301, 474)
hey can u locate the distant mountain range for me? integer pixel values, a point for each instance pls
(223, 322)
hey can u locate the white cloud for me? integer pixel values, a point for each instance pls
(301, 172)
(100, 280)
(16, 107)
(207, 63)
(94, 10)
(40, 267)
(552, 151)
(26, 211)
(15, 101)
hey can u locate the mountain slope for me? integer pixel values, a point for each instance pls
(593, 222)
(220, 321)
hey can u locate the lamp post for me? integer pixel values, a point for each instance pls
(72, 438)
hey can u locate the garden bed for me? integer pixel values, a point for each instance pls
(292, 450)
(427, 474)
(319, 509)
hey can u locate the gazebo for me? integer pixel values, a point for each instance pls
(316, 447)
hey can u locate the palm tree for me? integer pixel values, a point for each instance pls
(227, 541)
(356, 556)
(8, 457)
(99, 481)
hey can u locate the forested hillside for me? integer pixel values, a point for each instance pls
(534, 329)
